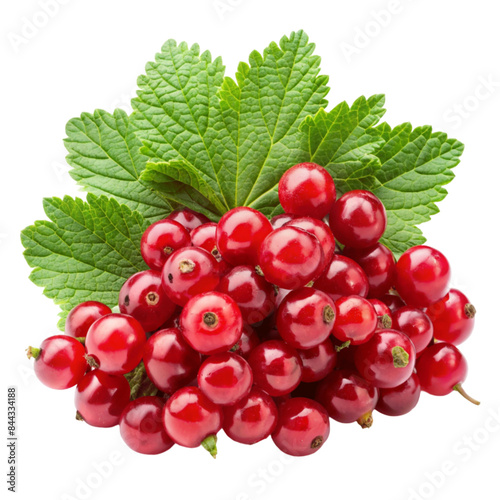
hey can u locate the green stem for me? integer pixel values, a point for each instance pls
(462, 392)
(210, 444)
(33, 352)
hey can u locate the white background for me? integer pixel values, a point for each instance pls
(431, 59)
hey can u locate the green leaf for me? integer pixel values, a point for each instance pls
(104, 153)
(86, 251)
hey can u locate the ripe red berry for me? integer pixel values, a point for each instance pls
(399, 400)
(276, 366)
(384, 314)
(211, 322)
(281, 219)
(356, 320)
(189, 272)
(81, 317)
(141, 426)
(204, 236)
(387, 359)
(169, 361)
(452, 317)
(251, 419)
(423, 276)
(307, 189)
(291, 257)
(305, 318)
(59, 361)
(414, 323)
(100, 398)
(318, 361)
(303, 427)
(240, 233)
(248, 340)
(116, 343)
(189, 219)
(142, 296)
(160, 240)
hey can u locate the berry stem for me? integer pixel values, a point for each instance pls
(366, 420)
(140, 385)
(79, 417)
(33, 352)
(210, 444)
(470, 310)
(81, 340)
(386, 321)
(462, 392)
(346, 344)
(400, 357)
(91, 361)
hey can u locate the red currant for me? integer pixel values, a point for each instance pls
(189, 219)
(81, 317)
(399, 400)
(356, 320)
(281, 219)
(211, 322)
(318, 361)
(248, 340)
(414, 323)
(116, 343)
(307, 189)
(423, 276)
(141, 426)
(303, 426)
(204, 236)
(358, 219)
(384, 314)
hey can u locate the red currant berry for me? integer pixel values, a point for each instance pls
(100, 398)
(211, 322)
(248, 340)
(189, 272)
(281, 219)
(387, 359)
(392, 301)
(276, 366)
(423, 276)
(141, 426)
(358, 219)
(225, 378)
(142, 296)
(254, 295)
(116, 343)
(303, 426)
(347, 397)
(160, 240)
(343, 277)
(189, 219)
(441, 369)
(291, 257)
(59, 361)
(319, 229)
(399, 400)
(414, 323)
(191, 419)
(384, 314)
(378, 264)
(356, 320)
(251, 419)
(169, 361)
(305, 318)
(81, 317)
(204, 236)
(307, 189)
(452, 317)
(318, 361)
(240, 233)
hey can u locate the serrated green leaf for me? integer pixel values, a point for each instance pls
(104, 153)
(86, 251)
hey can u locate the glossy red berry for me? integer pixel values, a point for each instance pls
(190, 418)
(423, 276)
(116, 343)
(399, 400)
(303, 427)
(318, 361)
(204, 236)
(59, 361)
(358, 219)
(211, 322)
(378, 264)
(414, 323)
(141, 426)
(100, 398)
(160, 240)
(276, 366)
(169, 361)
(291, 257)
(305, 318)
(384, 314)
(251, 419)
(452, 317)
(307, 189)
(189, 272)
(392, 301)
(387, 359)
(240, 233)
(356, 320)
(81, 317)
(342, 277)
(142, 296)
(255, 297)
(189, 219)
(248, 340)
(225, 378)
(347, 397)
(282, 219)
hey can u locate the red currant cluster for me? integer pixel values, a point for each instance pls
(265, 327)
